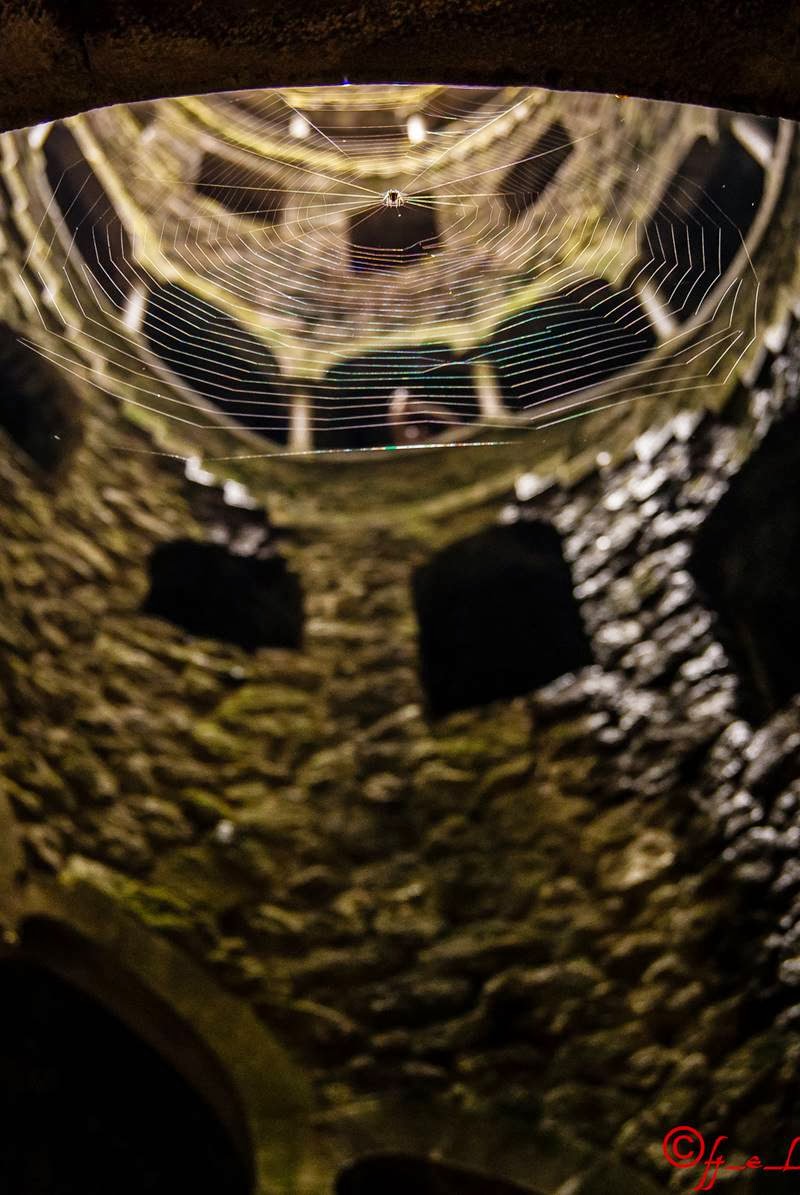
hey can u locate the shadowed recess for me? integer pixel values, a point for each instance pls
(38, 411)
(208, 590)
(467, 101)
(217, 358)
(497, 617)
(568, 343)
(697, 228)
(239, 189)
(398, 396)
(388, 238)
(88, 1107)
(89, 215)
(746, 560)
(527, 182)
(400, 1174)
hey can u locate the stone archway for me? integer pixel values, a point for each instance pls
(87, 1105)
(72, 946)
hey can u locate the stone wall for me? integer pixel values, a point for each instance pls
(572, 912)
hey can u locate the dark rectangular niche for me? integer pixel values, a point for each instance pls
(218, 358)
(243, 190)
(394, 396)
(526, 183)
(697, 229)
(38, 410)
(208, 590)
(746, 561)
(567, 343)
(458, 103)
(404, 1174)
(497, 617)
(88, 213)
(389, 238)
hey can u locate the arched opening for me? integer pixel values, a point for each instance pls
(209, 590)
(88, 1106)
(497, 617)
(215, 356)
(89, 215)
(240, 189)
(568, 343)
(388, 238)
(38, 411)
(527, 182)
(698, 227)
(746, 560)
(402, 1174)
(399, 396)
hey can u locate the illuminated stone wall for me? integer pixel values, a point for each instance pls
(533, 910)
(563, 919)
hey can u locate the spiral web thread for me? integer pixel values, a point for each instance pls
(371, 268)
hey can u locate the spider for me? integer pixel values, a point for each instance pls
(393, 198)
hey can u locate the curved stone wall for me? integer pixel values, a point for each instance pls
(525, 938)
(523, 911)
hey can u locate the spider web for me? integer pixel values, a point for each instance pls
(372, 268)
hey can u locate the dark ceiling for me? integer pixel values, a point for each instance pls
(58, 57)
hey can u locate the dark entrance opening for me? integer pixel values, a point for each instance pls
(95, 228)
(697, 228)
(527, 182)
(497, 617)
(394, 396)
(88, 1108)
(217, 358)
(568, 343)
(206, 589)
(400, 1174)
(388, 238)
(746, 560)
(243, 190)
(38, 411)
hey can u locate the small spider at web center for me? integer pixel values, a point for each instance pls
(393, 198)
